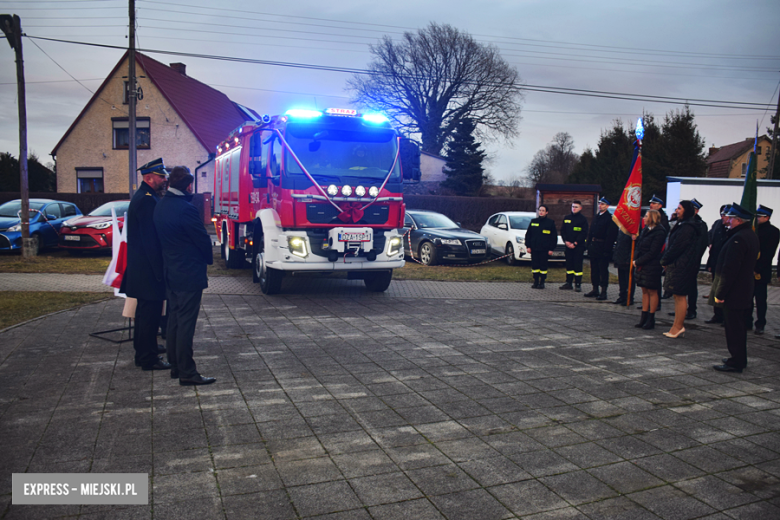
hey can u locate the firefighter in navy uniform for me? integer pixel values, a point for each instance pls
(601, 241)
(541, 238)
(768, 239)
(574, 233)
(657, 203)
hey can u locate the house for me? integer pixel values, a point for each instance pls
(179, 119)
(730, 161)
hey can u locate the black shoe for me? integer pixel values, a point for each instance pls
(159, 365)
(690, 316)
(535, 285)
(727, 368)
(619, 301)
(161, 349)
(566, 287)
(197, 380)
(726, 361)
(578, 288)
(650, 325)
(714, 319)
(759, 331)
(603, 296)
(642, 320)
(174, 373)
(541, 285)
(592, 294)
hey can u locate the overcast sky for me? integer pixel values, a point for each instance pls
(696, 49)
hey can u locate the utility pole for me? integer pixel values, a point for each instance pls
(131, 99)
(12, 27)
(770, 169)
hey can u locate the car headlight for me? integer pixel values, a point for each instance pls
(450, 241)
(101, 225)
(17, 227)
(394, 245)
(520, 240)
(297, 246)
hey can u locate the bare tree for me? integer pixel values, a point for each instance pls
(433, 79)
(554, 163)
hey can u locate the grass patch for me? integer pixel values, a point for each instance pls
(19, 306)
(55, 261)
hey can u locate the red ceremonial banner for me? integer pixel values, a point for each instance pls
(628, 214)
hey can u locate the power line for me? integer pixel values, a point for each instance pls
(530, 88)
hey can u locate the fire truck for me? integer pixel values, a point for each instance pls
(311, 191)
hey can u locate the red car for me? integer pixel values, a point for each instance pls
(92, 232)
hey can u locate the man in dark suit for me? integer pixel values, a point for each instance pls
(143, 278)
(186, 249)
(601, 241)
(733, 285)
(768, 239)
(717, 237)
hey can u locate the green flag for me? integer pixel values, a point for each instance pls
(749, 191)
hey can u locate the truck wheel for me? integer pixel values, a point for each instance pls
(270, 280)
(428, 254)
(510, 250)
(378, 282)
(234, 258)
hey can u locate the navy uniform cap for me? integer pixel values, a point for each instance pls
(156, 166)
(763, 211)
(696, 204)
(735, 210)
(656, 199)
(724, 210)
(603, 200)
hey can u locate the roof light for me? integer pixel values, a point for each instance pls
(346, 190)
(302, 113)
(373, 191)
(375, 118)
(360, 191)
(333, 190)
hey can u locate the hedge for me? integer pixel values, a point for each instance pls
(471, 212)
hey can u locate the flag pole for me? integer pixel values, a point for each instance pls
(630, 273)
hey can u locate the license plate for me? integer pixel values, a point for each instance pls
(478, 251)
(354, 237)
(73, 237)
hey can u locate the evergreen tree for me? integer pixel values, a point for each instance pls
(464, 170)
(39, 177)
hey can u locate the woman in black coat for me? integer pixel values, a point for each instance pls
(681, 260)
(647, 266)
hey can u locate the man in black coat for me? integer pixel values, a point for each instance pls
(733, 285)
(541, 239)
(143, 278)
(574, 233)
(768, 239)
(601, 240)
(703, 243)
(186, 249)
(717, 237)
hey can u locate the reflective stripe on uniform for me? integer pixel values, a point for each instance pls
(577, 274)
(570, 272)
(543, 272)
(535, 271)
(546, 231)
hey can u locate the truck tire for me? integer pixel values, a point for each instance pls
(234, 258)
(270, 280)
(378, 282)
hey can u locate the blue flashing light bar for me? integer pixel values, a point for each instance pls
(302, 113)
(375, 118)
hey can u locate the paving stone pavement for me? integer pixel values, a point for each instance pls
(432, 400)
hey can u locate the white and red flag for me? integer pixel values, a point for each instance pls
(116, 269)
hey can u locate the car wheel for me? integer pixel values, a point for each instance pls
(270, 280)
(510, 250)
(428, 254)
(378, 282)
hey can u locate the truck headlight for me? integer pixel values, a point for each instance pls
(333, 190)
(297, 246)
(373, 191)
(394, 246)
(360, 191)
(450, 241)
(101, 225)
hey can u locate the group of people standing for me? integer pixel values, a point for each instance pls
(666, 260)
(168, 250)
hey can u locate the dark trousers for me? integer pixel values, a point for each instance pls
(183, 309)
(736, 335)
(759, 295)
(539, 260)
(623, 273)
(599, 272)
(147, 321)
(574, 264)
(693, 296)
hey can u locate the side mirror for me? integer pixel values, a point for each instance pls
(51, 217)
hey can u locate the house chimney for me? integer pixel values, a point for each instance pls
(713, 150)
(181, 68)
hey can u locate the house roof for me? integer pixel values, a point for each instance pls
(207, 112)
(730, 151)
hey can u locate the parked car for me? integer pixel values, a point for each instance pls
(505, 233)
(46, 218)
(435, 238)
(92, 232)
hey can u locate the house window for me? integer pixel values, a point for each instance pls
(126, 94)
(89, 180)
(744, 169)
(121, 127)
(758, 150)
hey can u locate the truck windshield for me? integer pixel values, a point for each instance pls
(345, 150)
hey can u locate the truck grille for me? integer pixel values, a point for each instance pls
(318, 237)
(327, 214)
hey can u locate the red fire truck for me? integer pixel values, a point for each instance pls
(315, 191)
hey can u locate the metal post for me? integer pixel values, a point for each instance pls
(131, 99)
(12, 27)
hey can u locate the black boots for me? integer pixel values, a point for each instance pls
(536, 282)
(647, 321)
(577, 287)
(566, 287)
(603, 296)
(592, 294)
(642, 320)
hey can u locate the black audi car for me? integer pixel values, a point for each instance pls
(435, 238)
